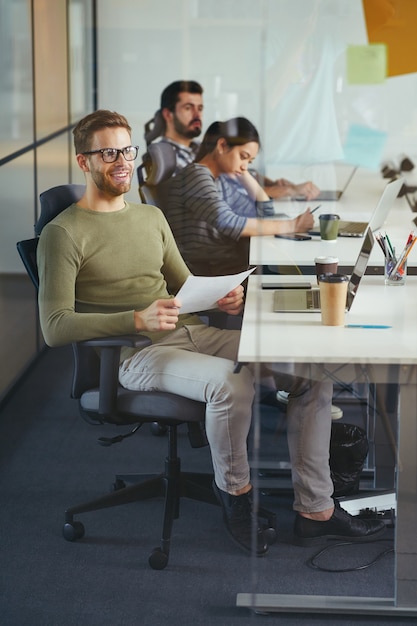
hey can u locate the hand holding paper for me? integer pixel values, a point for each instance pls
(199, 293)
(233, 302)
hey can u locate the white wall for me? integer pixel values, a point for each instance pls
(280, 63)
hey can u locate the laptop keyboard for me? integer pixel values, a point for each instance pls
(352, 227)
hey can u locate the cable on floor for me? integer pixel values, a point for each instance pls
(312, 561)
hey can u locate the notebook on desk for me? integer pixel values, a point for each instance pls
(308, 300)
(328, 194)
(352, 228)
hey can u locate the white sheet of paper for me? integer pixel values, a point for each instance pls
(199, 293)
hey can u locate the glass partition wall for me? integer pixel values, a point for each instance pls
(287, 65)
(273, 62)
(46, 54)
(303, 73)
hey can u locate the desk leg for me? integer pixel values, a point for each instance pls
(406, 523)
(385, 440)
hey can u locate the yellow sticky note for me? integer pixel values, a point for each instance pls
(366, 64)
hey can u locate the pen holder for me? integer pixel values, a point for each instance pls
(395, 277)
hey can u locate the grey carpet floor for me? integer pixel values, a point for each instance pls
(50, 460)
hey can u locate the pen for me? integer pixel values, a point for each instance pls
(403, 257)
(379, 239)
(367, 326)
(315, 208)
(390, 246)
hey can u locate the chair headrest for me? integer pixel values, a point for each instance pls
(154, 128)
(160, 162)
(53, 201)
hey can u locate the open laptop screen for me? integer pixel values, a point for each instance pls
(360, 266)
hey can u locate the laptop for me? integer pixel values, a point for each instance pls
(308, 300)
(327, 194)
(351, 228)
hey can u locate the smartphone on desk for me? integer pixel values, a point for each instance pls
(294, 236)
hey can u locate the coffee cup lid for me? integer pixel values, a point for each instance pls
(326, 259)
(329, 216)
(333, 278)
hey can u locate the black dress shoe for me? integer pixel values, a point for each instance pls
(341, 526)
(238, 517)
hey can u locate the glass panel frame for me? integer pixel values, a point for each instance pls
(50, 66)
(16, 85)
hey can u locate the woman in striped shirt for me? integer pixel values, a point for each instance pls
(212, 236)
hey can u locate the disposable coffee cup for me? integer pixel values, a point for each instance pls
(333, 296)
(329, 226)
(326, 265)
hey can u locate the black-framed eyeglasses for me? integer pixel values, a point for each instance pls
(110, 155)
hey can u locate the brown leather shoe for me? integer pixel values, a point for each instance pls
(238, 518)
(341, 526)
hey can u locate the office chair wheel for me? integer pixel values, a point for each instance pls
(73, 531)
(158, 430)
(158, 559)
(268, 525)
(270, 535)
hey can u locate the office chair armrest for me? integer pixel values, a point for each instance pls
(105, 351)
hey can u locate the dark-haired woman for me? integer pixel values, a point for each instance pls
(212, 236)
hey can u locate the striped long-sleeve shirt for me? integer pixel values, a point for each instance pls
(206, 227)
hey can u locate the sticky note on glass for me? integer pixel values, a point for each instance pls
(366, 65)
(393, 22)
(363, 146)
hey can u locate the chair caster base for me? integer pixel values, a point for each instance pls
(158, 430)
(269, 525)
(270, 535)
(72, 531)
(158, 559)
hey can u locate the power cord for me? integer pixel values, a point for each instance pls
(312, 561)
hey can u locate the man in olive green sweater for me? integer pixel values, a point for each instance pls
(108, 267)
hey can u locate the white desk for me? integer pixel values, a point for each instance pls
(385, 356)
(358, 204)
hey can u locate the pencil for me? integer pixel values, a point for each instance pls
(400, 263)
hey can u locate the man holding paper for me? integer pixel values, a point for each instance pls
(109, 267)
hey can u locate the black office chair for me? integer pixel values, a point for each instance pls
(52, 203)
(154, 128)
(103, 401)
(158, 165)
